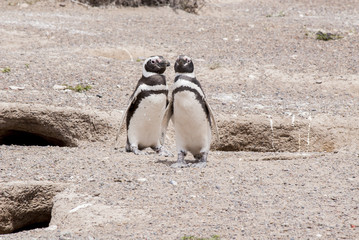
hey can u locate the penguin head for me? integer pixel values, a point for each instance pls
(184, 64)
(155, 65)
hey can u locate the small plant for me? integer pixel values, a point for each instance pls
(79, 88)
(27, 65)
(213, 237)
(280, 14)
(6, 70)
(190, 6)
(327, 36)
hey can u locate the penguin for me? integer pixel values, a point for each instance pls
(191, 115)
(146, 109)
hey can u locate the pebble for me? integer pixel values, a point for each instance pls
(16, 88)
(51, 228)
(24, 5)
(141, 180)
(59, 87)
(173, 182)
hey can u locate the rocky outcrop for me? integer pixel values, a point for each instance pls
(24, 204)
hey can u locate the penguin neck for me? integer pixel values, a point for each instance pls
(191, 75)
(149, 74)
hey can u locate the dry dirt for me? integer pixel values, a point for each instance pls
(285, 102)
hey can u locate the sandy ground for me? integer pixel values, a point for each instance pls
(252, 57)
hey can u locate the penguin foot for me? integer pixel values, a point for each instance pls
(179, 165)
(136, 151)
(162, 151)
(202, 158)
(180, 160)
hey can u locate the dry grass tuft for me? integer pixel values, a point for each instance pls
(191, 6)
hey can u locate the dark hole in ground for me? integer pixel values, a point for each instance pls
(33, 226)
(22, 138)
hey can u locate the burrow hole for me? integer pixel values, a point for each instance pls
(33, 226)
(23, 138)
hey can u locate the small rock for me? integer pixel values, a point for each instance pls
(16, 88)
(80, 207)
(318, 82)
(59, 87)
(251, 76)
(173, 182)
(24, 5)
(51, 228)
(141, 180)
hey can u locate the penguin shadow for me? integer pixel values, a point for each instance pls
(169, 163)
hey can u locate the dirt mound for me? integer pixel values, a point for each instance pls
(35, 124)
(26, 204)
(277, 134)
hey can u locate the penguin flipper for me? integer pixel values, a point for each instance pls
(123, 119)
(165, 121)
(213, 120)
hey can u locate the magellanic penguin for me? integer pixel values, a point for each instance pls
(144, 114)
(191, 115)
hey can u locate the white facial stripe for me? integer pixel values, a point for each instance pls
(145, 87)
(146, 73)
(182, 82)
(187, 58)
(191, 75)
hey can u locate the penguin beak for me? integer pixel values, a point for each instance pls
(181, 61)
(164, 63)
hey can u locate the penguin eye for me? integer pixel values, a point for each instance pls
(188, 60)
(152, 61)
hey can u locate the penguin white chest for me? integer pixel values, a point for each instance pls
(193, 132)
(145, 125)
